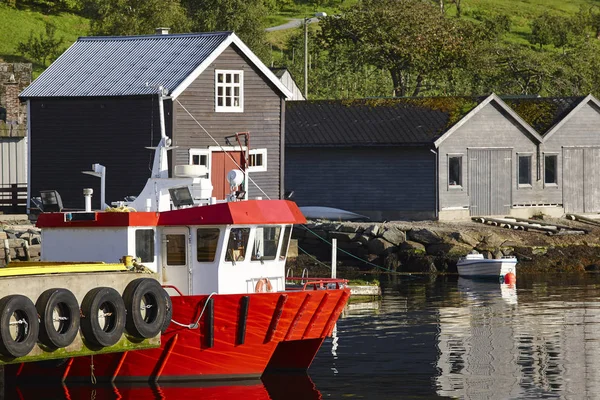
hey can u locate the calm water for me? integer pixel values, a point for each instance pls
(434, 338)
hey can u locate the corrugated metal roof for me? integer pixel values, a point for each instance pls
(124, 65)
(372, 122)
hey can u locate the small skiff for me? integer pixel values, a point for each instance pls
(476, 266)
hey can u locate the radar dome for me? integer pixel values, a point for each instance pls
(235, 177)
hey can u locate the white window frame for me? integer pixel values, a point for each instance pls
(200, 152)
(525, 185)
(461, 172)
(258, 168)
(556, 172)
(232, 85)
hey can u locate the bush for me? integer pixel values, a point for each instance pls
(43, 47)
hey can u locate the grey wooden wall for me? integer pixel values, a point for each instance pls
(262, 117)
(490, 128)
(577, 144)
(383, 183)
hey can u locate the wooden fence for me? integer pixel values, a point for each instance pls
(13, 197)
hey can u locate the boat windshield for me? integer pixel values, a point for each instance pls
(266, 241)
(237, 245)
(286, 241)
(206, 244)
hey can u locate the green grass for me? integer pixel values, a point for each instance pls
(18, 24)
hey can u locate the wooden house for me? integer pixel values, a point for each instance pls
(100, 102)
(441, 158)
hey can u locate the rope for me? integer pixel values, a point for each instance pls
(222, 149)
(92, 376)
(345, 252)
(195, 325)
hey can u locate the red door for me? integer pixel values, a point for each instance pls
(221, 164)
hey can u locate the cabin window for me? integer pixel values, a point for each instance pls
(257, 160)
(200, 157)
(285, 243)
(206, 244)
(237, 245)
(144, 245)
(550, 169)
(455, 171)
(266, 240)
(524, 170)
(176, 250)
(229, 91)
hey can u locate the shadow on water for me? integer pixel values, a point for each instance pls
(274, 387)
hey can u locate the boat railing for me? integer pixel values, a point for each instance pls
(319, 283)
(174, 288)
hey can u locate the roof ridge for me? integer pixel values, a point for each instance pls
(153, 36)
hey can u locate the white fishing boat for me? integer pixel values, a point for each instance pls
(476, 266)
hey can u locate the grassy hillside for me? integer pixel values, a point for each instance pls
(17, 25)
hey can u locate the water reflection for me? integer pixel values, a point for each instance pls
(433, 338)
(477, 343)
(274, 387)
(451, 338)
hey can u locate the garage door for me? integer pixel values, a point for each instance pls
(581, 179)
(490, 175)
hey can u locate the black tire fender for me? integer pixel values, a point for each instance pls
(19, 326)
(103, 316)
(146, 304)
(169, 315)
(59, 317)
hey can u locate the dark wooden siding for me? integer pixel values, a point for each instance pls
(383, 183)
(69, 135)
(261, 117)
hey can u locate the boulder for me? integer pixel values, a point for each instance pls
(424, 236)
(465, 238)
(379, 246)
(411, 246)
(343, 236)
(394, 235)
(451, 250)
(392, 262)
(372, 230)
(351, 229)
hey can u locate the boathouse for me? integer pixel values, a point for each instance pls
(100, 102)
(444, 158)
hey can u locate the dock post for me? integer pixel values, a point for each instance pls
(334, 258)
(6, 251)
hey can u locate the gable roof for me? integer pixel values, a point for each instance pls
(543, 113)
(567, 114)
(137, 65)
(372, 122)
(491, 98)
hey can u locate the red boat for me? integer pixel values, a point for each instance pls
(234, 313)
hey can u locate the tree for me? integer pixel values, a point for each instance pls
(42, 47)
(244, 17)
(408, 38)
(134, 17)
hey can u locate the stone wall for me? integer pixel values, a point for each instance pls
(14, 77)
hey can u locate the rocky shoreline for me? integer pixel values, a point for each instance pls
(434, 247)
(415, 247)
(20, 240)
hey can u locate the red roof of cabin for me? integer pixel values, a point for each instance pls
(241, 212)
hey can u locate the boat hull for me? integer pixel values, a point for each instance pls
(486, 268)
(282, 331)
